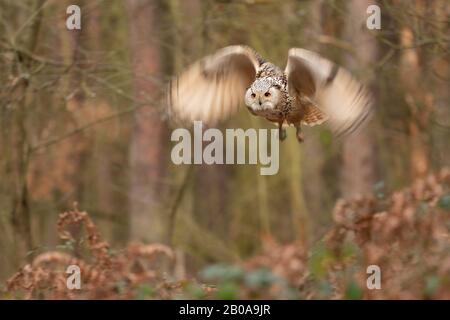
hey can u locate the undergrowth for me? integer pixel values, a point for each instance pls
(406, 234)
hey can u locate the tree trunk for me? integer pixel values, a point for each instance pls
(311, 170)
(20, 215)
(420, 103)
(358, 154)
(146, 163)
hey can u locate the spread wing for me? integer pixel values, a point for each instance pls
(345, 101)
(212, 88)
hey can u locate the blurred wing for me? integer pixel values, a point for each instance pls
(212, 88)
(345, 101)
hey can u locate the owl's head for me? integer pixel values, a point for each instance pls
(263, 94)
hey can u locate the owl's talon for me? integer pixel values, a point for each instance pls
(299, 134)
(282, 134)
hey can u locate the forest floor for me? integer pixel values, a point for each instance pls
(405, 234)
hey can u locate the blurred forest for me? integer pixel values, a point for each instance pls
(83, 120)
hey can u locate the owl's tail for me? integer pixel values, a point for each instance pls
(313, 116)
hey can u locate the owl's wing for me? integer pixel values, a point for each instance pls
(345, 101)
(212, 88)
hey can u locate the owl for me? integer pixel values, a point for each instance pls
(309, 91)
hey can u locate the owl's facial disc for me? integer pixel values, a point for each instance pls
(262, 95)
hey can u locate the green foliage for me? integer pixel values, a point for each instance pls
(228, 291)
(68, 245)
(353, 291)
(379, 189)
(223, 273)
(444, 202)
(325, 289)
(233, 282)
(194, 291)
(145, 291)
(432, 283)
(260, 278)
(320, 260)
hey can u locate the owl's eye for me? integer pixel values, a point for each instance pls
(267, 94)
(253, 95)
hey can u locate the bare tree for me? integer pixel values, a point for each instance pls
(418, 100)
(20, 146)
(358, 167)
(146, 163)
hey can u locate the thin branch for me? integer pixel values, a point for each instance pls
(84, 127)
(176, 204)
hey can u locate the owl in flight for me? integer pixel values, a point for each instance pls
(310, 91)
